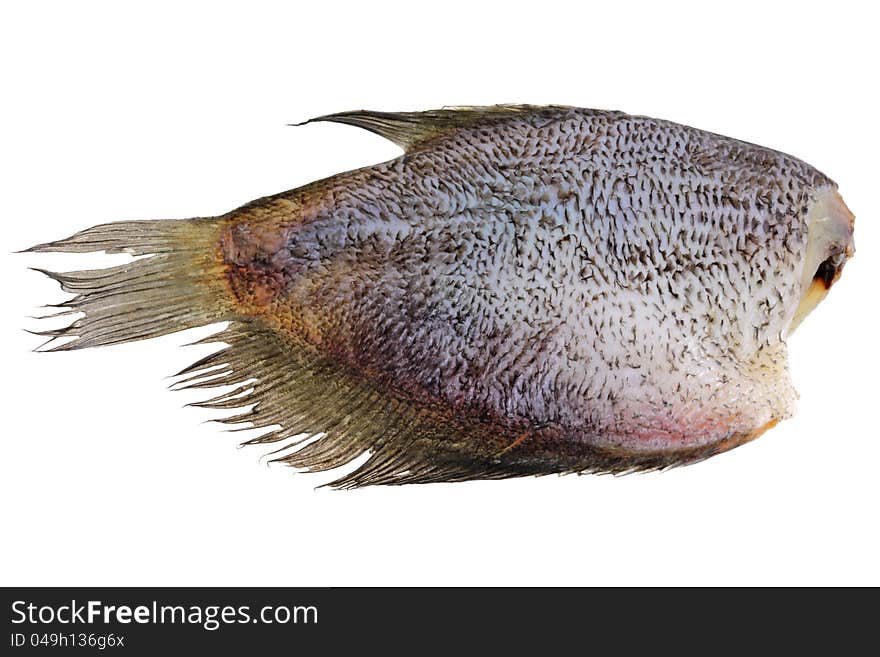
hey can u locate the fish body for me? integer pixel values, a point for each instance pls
(526, 290)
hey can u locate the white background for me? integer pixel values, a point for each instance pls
(177, 109)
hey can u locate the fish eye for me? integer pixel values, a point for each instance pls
(829, 269)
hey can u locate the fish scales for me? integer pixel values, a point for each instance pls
(525, 290)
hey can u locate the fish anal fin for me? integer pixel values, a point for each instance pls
(296, 394)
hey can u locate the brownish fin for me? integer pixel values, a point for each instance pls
(409, 129)
(176, 285)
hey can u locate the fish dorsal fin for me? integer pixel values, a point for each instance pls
(408, 129)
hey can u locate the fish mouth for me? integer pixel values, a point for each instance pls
(829, 245)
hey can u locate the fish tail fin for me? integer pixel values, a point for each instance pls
(176, 282)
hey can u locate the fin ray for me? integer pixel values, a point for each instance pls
(172, 287)
(409, 129)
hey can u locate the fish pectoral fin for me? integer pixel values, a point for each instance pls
(409, 129)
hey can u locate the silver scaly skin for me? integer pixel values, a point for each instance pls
(526, 290)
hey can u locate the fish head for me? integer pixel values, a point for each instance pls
(829, 245)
